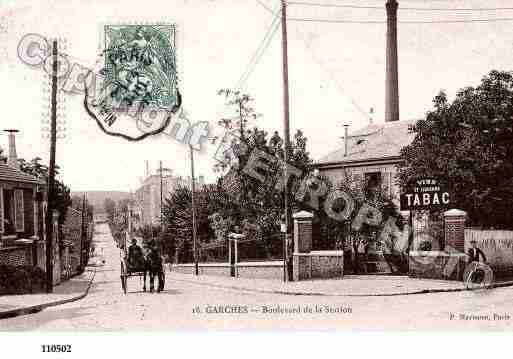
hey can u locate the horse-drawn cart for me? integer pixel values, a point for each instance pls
(138, 265)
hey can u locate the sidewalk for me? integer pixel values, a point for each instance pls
(349, 286)
(73, 289)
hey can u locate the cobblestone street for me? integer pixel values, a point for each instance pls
(186, 305)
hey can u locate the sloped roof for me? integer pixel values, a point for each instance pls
(375, 141)
(8, 173)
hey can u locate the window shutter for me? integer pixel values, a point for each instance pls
(387, 183)
(19, 215)
(391, 184)
(2, 230)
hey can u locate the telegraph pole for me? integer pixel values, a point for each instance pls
(161, 200)
(286, 133)
(51, 174)
(84, 232)
(194, 234)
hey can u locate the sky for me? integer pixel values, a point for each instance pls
(336, 73)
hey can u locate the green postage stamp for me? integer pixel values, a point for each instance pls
(140, 64)
(138, 91)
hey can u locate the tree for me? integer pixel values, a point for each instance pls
(122, 205)
(110, 208)
(259, 202)
(468, 145)
(177, 213)
(62, 192)
(389, 233)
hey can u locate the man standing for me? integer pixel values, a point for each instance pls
(474, 253)
(135, 256)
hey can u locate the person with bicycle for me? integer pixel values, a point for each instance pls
(475, 254)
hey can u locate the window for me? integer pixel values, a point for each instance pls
(8, 211)
(19, 210)
(373, 180)
(13, 211)
(2, 230)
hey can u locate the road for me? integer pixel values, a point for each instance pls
(185, 305)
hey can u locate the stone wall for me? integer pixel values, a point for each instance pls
(269, 271)
(16, 255)
(72, 231)
(256, 270)
(203, 269)
(437, 265)
(318, 265)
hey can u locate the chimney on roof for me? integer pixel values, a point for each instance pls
(346, 130)
(392, 73)
(12, 158)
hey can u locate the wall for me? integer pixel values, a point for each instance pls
(318, 265)
(17, 255)
(252, 270)
(271, 270)
(496, 245)
(41, 254)
(437, 265)
(72, 231)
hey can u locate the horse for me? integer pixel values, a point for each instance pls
(153, 266)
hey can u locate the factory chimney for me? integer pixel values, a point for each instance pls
(392, 75)
(12, 159)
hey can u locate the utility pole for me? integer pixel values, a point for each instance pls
(194, 234)
(286, 133)
(83, 236)
(51, 174)
(161, 199)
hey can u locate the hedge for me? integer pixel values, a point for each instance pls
(21, 279)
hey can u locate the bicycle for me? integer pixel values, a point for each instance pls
(477, 276)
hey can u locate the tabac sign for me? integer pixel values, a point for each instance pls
(425, 193)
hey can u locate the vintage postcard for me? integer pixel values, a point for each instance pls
(256, 165)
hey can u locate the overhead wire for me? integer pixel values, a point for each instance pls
(265, 6)
(335, 21)
(382, 8)
(352, 6)
(331, 76)
(257, 55)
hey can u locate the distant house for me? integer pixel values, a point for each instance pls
(371, 154)
(22, 210)
(72, 244)
(146, 198)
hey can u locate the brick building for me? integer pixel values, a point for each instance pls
(22, 211)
